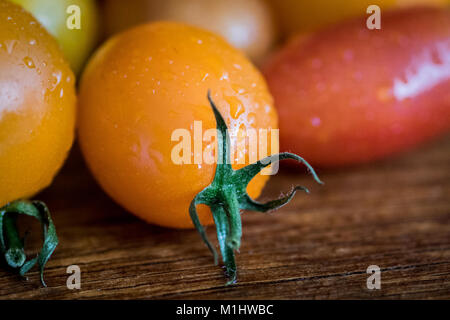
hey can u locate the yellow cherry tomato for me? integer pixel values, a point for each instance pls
(37, 105)
(139, 88)
(74, 23)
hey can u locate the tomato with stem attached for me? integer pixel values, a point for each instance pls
(141, 87)
(37, 120)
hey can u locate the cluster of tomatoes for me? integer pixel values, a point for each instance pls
(340, 93)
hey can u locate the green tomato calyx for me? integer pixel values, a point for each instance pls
(12, 246)
(227, 196)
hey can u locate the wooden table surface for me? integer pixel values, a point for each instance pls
(394, 214)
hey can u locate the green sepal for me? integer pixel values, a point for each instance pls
(227, 196)
(12, 247)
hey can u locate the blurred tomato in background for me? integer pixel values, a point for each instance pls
(245, 24)
(302, 16)
(347, 94)
(76, 44)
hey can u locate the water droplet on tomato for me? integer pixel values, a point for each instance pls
(315, 121)
(56, 80)
(29, 62)
(224, 76)
(237, 111)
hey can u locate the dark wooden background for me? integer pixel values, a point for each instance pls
(394, 214)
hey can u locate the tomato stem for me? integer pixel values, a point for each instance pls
(15, 255)
(12, 247)
(227, 196)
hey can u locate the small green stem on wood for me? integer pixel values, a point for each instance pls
(15, 255)
(227, 196)
(12, 247)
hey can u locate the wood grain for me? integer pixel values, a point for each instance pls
(394, 214)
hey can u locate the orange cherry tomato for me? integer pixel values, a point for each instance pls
(246, 24)
(37, 105)
(348, 95)
(144, 84)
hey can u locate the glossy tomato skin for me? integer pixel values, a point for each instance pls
(246, 24)
(37, 105)
(349, 95)
(76, 44)
(295, 16)
(143, 84)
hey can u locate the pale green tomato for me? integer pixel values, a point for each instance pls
(60, 18)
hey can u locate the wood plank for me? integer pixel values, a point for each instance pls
(394, 214)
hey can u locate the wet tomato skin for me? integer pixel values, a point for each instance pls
(350, 95)
(37, 105)
(141, 86)
(76, 44)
